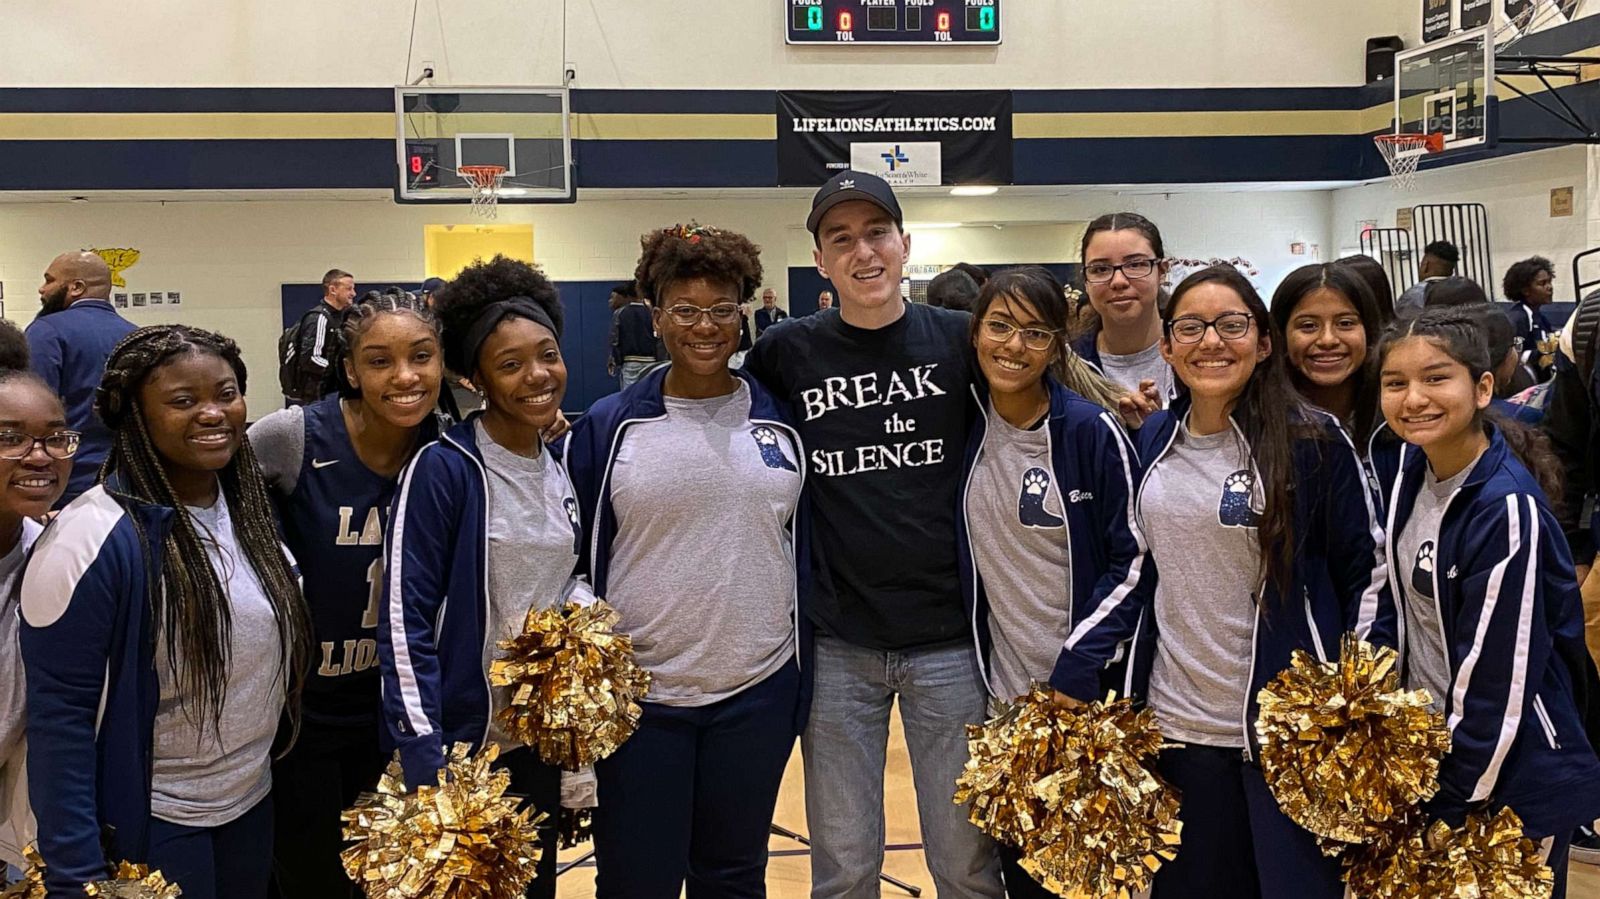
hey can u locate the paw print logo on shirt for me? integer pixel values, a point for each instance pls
(1422, 570)
(571, 505)
(1235, 510)
(771, 453)
(1031, 499)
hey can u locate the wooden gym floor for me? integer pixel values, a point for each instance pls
(789, 871)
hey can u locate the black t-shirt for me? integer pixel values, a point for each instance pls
(884, 416)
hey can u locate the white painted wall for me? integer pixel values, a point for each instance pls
(229, 259)
(1516, 192)
(653, 44)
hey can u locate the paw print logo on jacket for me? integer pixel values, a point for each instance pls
(1422, 570)
(771, 453)
(1031, 499)
(1235, 510)
(571, 505)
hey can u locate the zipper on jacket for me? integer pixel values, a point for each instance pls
(483, 562)
(1545, 722)
(972, 557)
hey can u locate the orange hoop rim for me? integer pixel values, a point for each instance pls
(481, 175)
(1432, 142)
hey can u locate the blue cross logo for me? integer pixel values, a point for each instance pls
(896, 158)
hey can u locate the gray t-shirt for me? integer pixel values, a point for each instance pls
(533, 547)
(279, 441)
(1020, 544)
(1427, 663)
(1145, 365)
(205, 775)
(702, 568)
(13, 699)
(1199, 510)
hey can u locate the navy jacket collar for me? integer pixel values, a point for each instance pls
(1415, 462)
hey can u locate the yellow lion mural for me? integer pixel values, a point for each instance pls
(120, 259)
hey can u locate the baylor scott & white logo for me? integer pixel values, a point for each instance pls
(901, 164)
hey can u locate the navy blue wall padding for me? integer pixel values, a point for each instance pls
(585, 338)
(196, 164)
(675, 163)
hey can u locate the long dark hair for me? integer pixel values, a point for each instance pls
(1271, 416)
(1458, 332)
(189, 603)
(1371, 272)
(1341, 280)
(1040, 289)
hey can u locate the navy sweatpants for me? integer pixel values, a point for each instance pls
(539, 784)
(689, 798)
(1236, 841)
(230, 861)
(325, 772)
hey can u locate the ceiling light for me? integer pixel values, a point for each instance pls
(931, 226)
(513, 191)
(974, 190)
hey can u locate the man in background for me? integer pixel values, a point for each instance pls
(824, 300)
(633, 336)
(953, 289)
(69, 341)
(769, 314)
(1438, 261)
(429, 288)
(303, 370)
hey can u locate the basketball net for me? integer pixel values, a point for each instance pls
(485, 181)
(1402, 152)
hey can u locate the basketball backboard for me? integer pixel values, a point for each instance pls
(1447, 88)
(440, 130)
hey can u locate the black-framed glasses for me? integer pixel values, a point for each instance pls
(17, 445)
(1133, 270)
(688, 316)
(1228, 325)
(1000, 331)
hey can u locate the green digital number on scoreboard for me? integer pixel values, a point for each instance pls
(894, 22)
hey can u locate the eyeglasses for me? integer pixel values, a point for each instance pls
(1133, 270)
(1229, 326)
(688, 316)
(17, 445)
(1032, 338)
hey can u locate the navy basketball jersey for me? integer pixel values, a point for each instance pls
(333, 523)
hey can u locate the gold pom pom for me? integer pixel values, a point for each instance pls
(1345, 751)
(31, 886)
(133, 882)
(577, 689)
(463, 839)
(1076, 791)
(1487, 858)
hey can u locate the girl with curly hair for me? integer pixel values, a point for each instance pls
(691, 481)
(485, 527)
(163, 632)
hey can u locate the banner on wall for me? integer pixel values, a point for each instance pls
(1436, 19)
(919, 137)
(1475, 13)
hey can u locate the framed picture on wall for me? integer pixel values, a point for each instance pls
(174, 298)
(157, 298)
(120, 300)
(138, 299)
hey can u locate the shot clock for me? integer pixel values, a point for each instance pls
(934, 22)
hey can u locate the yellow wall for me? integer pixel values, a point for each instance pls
(450, 248)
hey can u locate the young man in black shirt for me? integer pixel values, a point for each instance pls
(880, 394)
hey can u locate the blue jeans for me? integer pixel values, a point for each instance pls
(844, 746)
(630, 372)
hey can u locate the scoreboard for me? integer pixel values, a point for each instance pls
(936, 22)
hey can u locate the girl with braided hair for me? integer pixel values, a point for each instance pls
(691, 480)
(163, 632)
(332, 467)
(484, 528)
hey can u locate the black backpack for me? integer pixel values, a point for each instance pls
(298, 378)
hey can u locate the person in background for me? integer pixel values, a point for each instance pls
(429, 288)
(304, 370)
(769, 314)
(1494, 627)
(1330, 323)
(1503, 363)
(953, 289)
(36, 450)
(163, 636)
(1530, 286)
(331, 468)
(633, 336)
(1371, 271)
(882, 482)
(1124, 263)
(1439, 260)
(68, 343)
(825, 301)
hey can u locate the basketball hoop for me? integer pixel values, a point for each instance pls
(1402, 152)
(485, 181)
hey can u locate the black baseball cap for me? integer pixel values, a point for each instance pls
(852, 185)
(432, 285)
